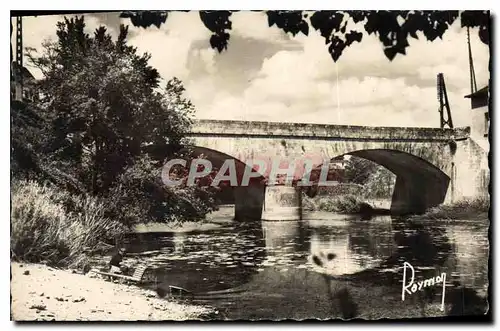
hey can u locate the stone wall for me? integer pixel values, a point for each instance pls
(254, 128)
(431, 164)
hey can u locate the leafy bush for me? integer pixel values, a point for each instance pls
(342, 189)
(347, 204)
(141, 197)
(376, 180)
(49, 225)
(101, 127)
(344, 204)
(465, 209)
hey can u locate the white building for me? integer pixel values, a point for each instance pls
(479, 132)
(480, 113)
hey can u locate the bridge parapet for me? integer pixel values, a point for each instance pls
(321, 131)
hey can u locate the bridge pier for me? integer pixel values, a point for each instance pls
(415, 193)
(282, 203)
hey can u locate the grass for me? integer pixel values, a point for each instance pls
(49, 225)
(463, 209)
(470, 209)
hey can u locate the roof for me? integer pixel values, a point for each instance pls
(479, 99)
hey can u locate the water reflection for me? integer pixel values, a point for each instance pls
(199, 262)
(286, 243)
(179, 243)
(422, 244)
(351, 246)
(469, 259)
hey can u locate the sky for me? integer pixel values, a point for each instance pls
(267, 75)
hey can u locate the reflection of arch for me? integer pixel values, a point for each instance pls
(248, 200)
(419, 184)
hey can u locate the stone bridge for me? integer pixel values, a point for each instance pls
(431, 165)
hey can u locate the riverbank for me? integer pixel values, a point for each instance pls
(42, 293)
(347, 204)
(222, 217)
(468, 209)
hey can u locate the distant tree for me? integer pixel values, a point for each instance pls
(393, 28)
(381, 183)
(377, 180)
(102, 108)
(359, 170)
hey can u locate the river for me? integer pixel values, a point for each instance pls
(327, 266)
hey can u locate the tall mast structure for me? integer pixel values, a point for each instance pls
(443, 103)
(473, 84)
(18, 74)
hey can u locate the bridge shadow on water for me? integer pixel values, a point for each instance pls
(336, 267)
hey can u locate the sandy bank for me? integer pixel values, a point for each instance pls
(50, 294)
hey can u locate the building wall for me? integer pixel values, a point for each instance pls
(479, 123)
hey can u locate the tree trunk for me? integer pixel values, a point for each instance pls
(95, 167)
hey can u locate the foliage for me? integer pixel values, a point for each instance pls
(344, 204)
(393, 28)
(106, 127)
(50, 225)
(462, 209)
(25, 126)
(381, 183)
(378, 181)
(101, 101)
(359, 170)
(342, 189)
(146, 199)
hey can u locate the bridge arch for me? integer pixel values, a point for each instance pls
(419, 183)
(451, 150)
(248, 200)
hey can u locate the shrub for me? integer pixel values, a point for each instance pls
(347, 204)
(464, 208)
(342, 189)
(49, 225)
(140, 197)
(343, 204)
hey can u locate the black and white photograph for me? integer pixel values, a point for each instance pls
(250, 165)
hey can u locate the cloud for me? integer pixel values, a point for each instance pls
(254, 25)
(268, 75)
(363, 88)
(367, 58)
(171, 44)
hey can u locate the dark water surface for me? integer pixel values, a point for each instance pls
(269, 270)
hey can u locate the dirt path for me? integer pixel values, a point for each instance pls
(42, 293)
